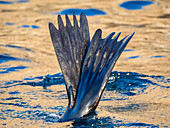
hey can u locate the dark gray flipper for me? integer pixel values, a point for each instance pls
(70, 43)
(86, 66)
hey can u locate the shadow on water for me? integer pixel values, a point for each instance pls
(77, 11)
(135, 5)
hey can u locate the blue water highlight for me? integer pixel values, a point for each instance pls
(136, 4)
(158, 56)
(17, 47)
(13, 2)
(25, 26)
(22, 1)
(11, 98)
(9, 23)
(124, 82)
(128, 50)
(15, 92)
(6, 2)
(7, 57)
(78, 11)
(133, 57)
(35, 27)
(30, 26)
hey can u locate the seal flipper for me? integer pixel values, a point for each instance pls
(70, 44)
(98, 64)
(86, 66)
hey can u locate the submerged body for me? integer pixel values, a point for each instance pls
(86, 65)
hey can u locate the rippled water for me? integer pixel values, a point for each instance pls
(32, 88)
(121, 86)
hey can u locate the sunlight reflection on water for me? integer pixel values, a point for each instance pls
(25, 104)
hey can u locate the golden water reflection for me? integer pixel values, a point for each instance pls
(148, 53)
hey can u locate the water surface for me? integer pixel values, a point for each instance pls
(32, 88)
(135, 5)
(78, 11)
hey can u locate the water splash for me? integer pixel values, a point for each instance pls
(120, 81)
(90, 121)
(108, 122)
(127, 84)
(29, 114)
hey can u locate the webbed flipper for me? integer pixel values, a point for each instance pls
(70, 44)
(100, 59)
(86, 66)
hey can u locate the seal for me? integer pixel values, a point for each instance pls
(86, 65)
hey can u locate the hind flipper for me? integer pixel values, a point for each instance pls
(70, 43)
(100, 59)
(86, 66)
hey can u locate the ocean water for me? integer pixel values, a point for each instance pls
(32, 87)
(136, 4)
(78, 11)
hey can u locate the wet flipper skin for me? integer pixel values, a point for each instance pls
(86, 65)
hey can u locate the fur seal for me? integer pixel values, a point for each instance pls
(86, 65)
